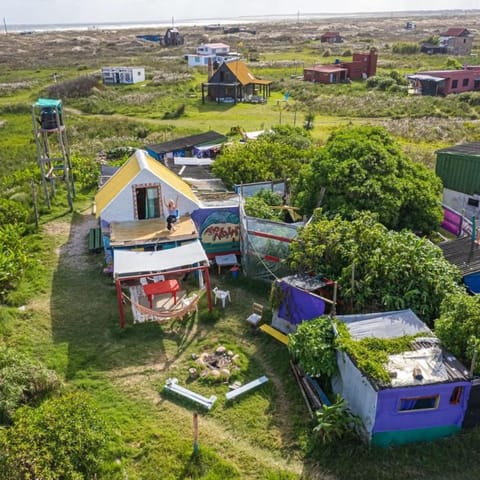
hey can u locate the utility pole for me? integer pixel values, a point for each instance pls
(5, 25)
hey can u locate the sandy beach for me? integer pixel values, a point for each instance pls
(94, 47)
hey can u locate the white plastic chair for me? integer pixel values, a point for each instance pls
(221, 295)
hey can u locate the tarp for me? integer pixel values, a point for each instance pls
(384, 325)
(298, 305)
(129, 262)
(472, 281)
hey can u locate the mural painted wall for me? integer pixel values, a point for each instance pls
(219, 229)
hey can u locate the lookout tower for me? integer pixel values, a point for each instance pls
(53, 152)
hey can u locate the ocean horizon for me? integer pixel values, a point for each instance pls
(164, 23)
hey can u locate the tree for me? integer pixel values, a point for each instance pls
(272, 156)
(363, 168)
(376, 269)
(459, 325)
(64, 438)
(260, 205)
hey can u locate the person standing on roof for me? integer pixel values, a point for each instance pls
(172, 210)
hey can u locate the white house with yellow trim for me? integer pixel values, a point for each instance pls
(137, 191)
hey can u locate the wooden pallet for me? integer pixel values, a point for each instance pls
(95, 240)
(276, 334)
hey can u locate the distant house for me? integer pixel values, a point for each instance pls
(363, 65)
(190, 146)
(444, 82)
(410, 25)
(122, 75)
(428, 392)
(233, 82)
(457, 41)
(215, 53)
(331, 37)
(459, 169)
(172, 37)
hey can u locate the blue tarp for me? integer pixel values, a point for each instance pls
(472, 281)
(298, 305)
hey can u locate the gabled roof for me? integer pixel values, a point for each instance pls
(139, 161)
(456, 32)
(187, 142)
(331, 34)
(243, 74)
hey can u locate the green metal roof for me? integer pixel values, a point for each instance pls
(48, 102)
(459, 167)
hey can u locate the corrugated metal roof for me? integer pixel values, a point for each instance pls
(187, 142)
(459, 167)
(472, 148)
(463, 253)
(130, 169)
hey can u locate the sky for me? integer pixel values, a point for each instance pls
(100, 11)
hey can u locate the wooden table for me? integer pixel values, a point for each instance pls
(158, 288)
(225, 261)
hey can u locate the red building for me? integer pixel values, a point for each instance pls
(363, 65)
(331, 37)
(443, 82)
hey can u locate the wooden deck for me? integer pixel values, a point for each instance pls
(141, 232)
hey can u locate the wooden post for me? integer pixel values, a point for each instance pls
(34, 200)
(121, 310)
(195, 433)
(334, 305)
(208, 286)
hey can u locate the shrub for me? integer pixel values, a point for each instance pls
(63, 438)
(13, 257)
(76, 88)
(327, 53)
(180, 111)
(335, 422)
(406, 48)
(459, 324)
(312, 345)
(23, 381)
(12, 212)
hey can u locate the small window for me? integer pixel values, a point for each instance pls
(456, 396)
(473, 202)
(465, 82)
(418, 403)
(454, 83)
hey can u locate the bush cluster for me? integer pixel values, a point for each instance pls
(78, 87)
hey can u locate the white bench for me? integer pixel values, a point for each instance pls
(172, 385)
(245, 388)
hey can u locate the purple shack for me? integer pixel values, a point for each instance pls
(429, 389)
